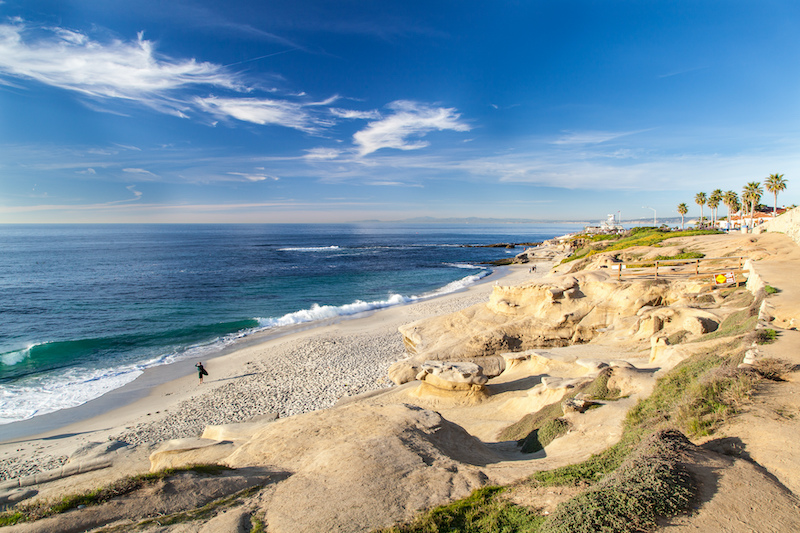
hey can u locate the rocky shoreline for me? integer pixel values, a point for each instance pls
(291, 378)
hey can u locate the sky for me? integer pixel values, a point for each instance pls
(254, 111)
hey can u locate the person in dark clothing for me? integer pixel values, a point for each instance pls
(201, 371)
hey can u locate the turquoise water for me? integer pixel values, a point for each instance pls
(86, 308)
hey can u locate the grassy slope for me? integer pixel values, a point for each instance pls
(639, 478)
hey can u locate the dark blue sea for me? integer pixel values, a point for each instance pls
(84, 309)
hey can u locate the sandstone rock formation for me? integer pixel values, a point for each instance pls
(361, 467)
(557, 311)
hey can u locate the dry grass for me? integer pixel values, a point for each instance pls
(773, 369)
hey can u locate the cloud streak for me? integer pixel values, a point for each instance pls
(264, 112)
(131, 70)
(410, 120)
(592, 137)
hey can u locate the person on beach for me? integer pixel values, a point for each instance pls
(201, 371)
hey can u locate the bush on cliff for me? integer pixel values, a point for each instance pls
(651, 482)
(536, 430)
(483, 511)
(634, 237)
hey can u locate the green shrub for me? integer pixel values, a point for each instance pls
(544, 435)
(598, 388)
(643, 236)
(482, 512)
(526, 430)
(737, 323)
(766, 336)
(651, 482)
(30, 512)
(696, 396)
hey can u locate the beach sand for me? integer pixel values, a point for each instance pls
(311, 367)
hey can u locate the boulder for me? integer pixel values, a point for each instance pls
(575, 405)
(361, 468)
(403, 372)
(699, 325)
(233, 432)
(456, 376)
(591, 364)
(182, 452)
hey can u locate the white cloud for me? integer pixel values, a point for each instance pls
(139, 171)
(128, 147)
(87, 171)
(410, 119)
(262, 111)
(322, 154)
(128, 70)
(353, 114)
(381, 183)
(592, 137)
(137, 194)
(254, 177)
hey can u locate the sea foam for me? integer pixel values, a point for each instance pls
(55, 390)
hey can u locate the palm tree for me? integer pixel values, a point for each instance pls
(682, 209)
(731, 200)
(700, 199)
(713, 203)
(751, 194)
(775, 184)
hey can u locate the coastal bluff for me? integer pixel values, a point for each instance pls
(465, 388)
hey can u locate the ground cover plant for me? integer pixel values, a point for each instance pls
(650, 482)
(642, 236)
(536, 430)
(639, 478)
(205, 512)
(483, 511)
(126, 485)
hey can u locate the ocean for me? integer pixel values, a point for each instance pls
(84, 309)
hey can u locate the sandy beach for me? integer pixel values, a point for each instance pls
(309, 368)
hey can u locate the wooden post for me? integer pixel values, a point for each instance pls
(656, 269)
(697, 267)
(619, 272)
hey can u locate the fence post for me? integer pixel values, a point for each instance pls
(697, 267)
(656, 269)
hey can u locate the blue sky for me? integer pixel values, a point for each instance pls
(336, 111)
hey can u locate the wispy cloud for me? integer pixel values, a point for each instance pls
(136, 194)
(592, 137)
(322, 154)
(383, 183)
(129, 70)
(139, 171)
(254, 177)
(352, 114)
(409, 120)
(265, 111)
